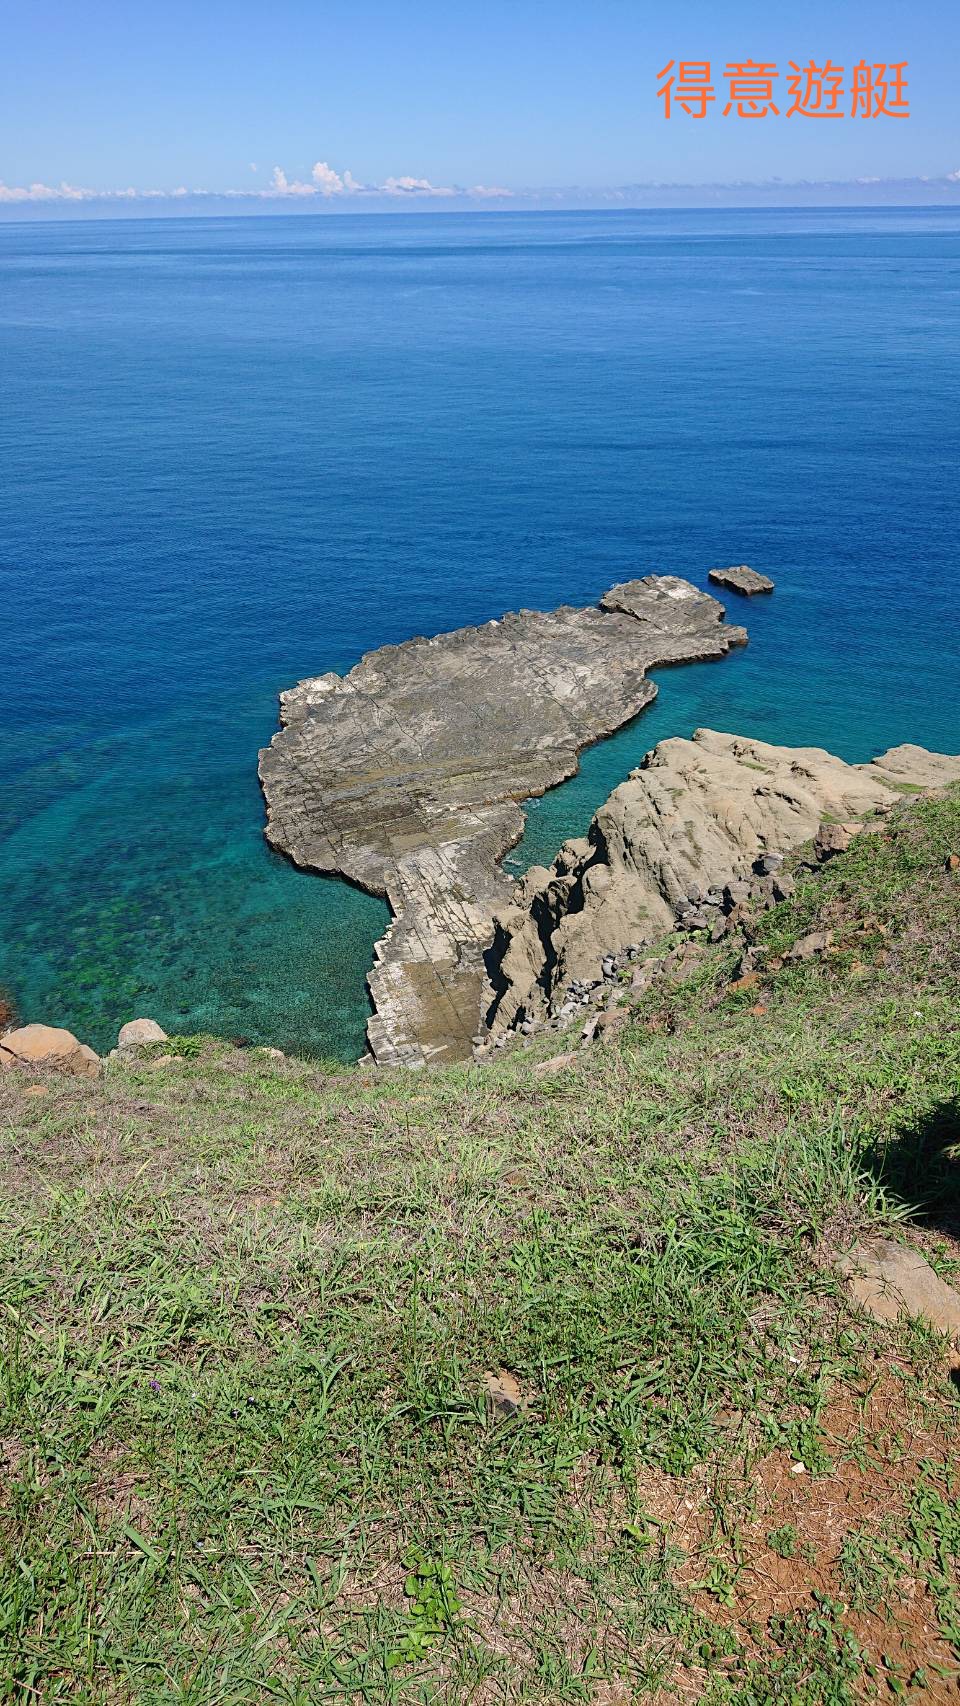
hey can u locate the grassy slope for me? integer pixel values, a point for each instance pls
(247, 1307)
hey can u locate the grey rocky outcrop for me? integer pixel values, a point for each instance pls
(741, 579)
(692, 839)
(405, 777)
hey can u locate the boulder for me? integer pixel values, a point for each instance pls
(741, 579)
(833, 838)
(889, 1280)
(46, 1045)
(139, 1031)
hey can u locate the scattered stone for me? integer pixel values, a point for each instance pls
(644, 975)
(611, 1022)
(889, 1280)
(742, 919)
(833, 838)
(504, 1391)
(556, 1063)
(139, 1031)
(47, 1045)
(278, 1054)
(681, 962)
(740, 985)
(767, 864)
(758, 1010)
(698, 921)
(807, 948)
(741, 579)
(783, 886)
(736, 893)
(35, 1090)
(953, 861)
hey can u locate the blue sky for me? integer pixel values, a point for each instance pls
(527, 97)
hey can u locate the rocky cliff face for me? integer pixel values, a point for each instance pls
(695, 817)
(405, 776)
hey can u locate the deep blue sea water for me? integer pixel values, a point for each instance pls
(238, 452)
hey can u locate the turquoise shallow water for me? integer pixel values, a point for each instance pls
(240, 452)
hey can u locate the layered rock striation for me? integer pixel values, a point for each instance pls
(690, 827)
(405, 776)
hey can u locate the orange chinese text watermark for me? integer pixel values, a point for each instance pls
(750, 89)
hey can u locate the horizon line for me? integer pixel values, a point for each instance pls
(333, 192)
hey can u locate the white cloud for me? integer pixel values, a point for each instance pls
(65, 192)
(412, 186)
(45, 192)
(327, 181)
(280, 185)
(490, 192)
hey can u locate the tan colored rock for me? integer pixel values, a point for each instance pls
(833, 838)
(47, 1045)
(556, 1063)
(915, 767)
(696, 812)
(889, 1280)
(611, 1022)
(808, 947)
(503, 1390)
(139, 1031)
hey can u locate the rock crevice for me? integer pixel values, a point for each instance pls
(673, 843)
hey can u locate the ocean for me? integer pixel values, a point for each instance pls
(236, 452)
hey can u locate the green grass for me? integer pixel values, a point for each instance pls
(247, 1308)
